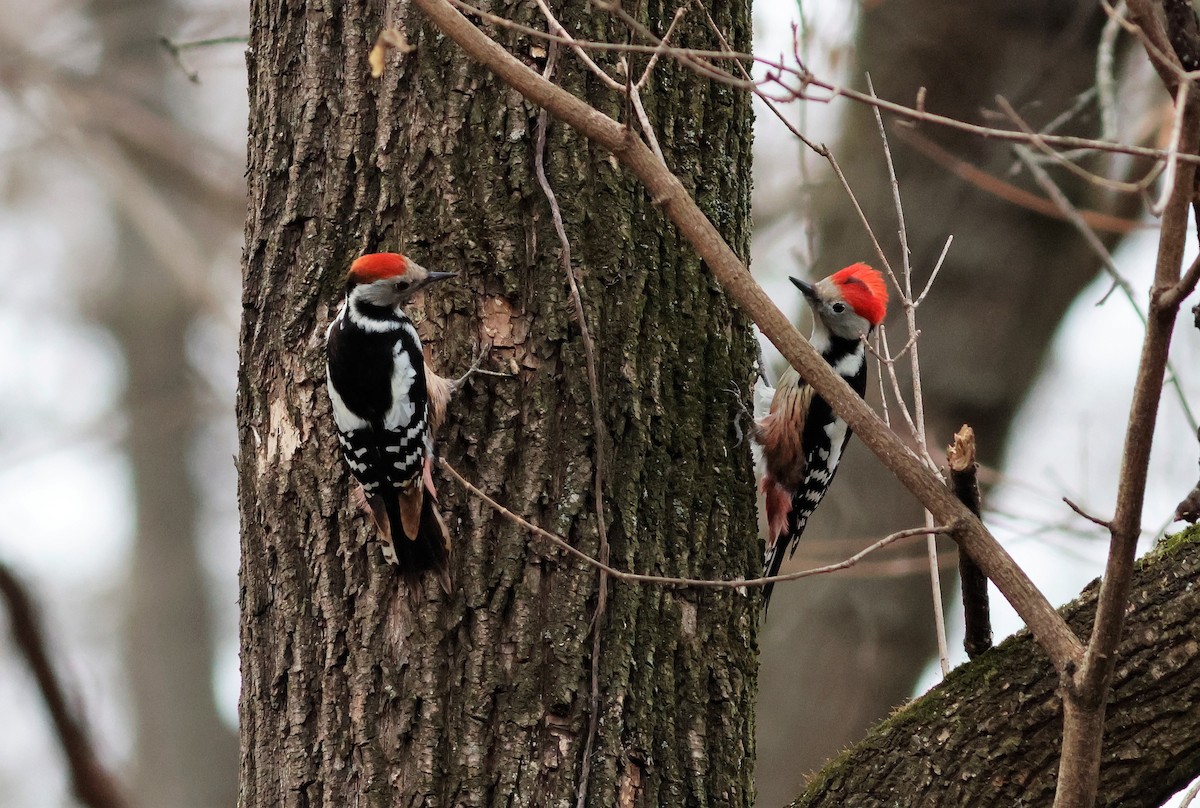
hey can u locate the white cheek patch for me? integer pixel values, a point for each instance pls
(820, 336)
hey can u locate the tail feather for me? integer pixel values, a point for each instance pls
(427, 550)
(785, 541)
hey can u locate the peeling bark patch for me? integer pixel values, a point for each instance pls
(629, 791)
(687, 619)
(506, 328)
(283, 437)
(555, 753)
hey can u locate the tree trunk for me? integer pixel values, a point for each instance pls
(989, 734)
(351, 697)
(870, 639)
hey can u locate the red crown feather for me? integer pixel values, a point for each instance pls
(864, 289)
(376, 266)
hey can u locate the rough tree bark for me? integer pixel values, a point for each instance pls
(990, 734)
(351, 698)
(869, 639)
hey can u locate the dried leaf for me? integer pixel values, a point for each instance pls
(389, 39)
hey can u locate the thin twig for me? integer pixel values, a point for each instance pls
(937, 267)
(1051, 631)
(601, 434)
(691, 57)
(1173, 297)
(1106, 261)
(889, 365)
(666, 580)
(910, 316)
(1085, 693)
(663, 47)
(1106, 84)
(1096, 520)
(912, 339)
(176, 49)
(566, 38)
(644, 122)
(1007, 191)
(1168, 184)
(875, 351)
(1037, 141)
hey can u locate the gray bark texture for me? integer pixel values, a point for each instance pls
(349, 695)
(1009, 277)
(989, 734)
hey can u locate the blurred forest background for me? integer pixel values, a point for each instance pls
(121, 181)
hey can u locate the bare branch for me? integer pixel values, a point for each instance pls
(91, 783)
(1063, 647)
(910, 317)
(666, 580)
(1106, 261)
(777, 71)
(1174, 297)
(1106, 84)
(1096, 520)
(1085, 694)
(960, 459)
(600, 436)
(1181, 96)
(1006, 190)
(1037, 141)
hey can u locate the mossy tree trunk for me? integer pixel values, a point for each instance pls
(350, 697)
(990, 733)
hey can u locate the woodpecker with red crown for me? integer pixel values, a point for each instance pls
(801, 438)
(386, 404)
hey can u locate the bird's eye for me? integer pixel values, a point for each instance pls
(838, 308)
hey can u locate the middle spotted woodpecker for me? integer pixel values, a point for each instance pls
(801, 438)
(386, 403)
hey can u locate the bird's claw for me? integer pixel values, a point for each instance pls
(743, 412)
(484, 352)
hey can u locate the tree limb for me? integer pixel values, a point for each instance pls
(91, 783)
(1086, 695)
(987, 735)
(1063, 647)
(960, 460)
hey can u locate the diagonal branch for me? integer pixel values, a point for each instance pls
(92, 784)
(1063, 647)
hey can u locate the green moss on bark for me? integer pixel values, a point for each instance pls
(350, 697)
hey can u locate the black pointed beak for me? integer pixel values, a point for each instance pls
(439, 276)
(805, 287)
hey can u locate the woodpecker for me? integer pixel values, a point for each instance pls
(801, 439)
(385, 404)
